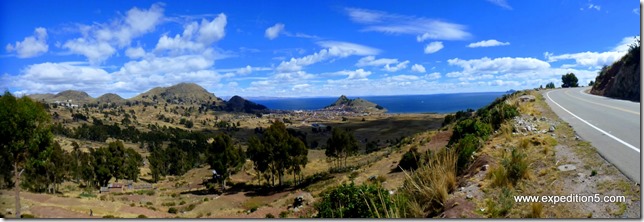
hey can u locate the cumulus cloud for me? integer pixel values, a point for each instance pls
(593, 6)
(55, 77)
(333, 49)
(274, 31)
(96, 52)
(397, 67)
(501, 3)
(99, 40)
(498, 65)
(594, 59)
(196, 37)
(135, 53)
(31, 46)
(357, 74)
(372, 61)
(433, 76)
(424, 28)
(433, 47)
(212, 31)
(487, 43)
(418, 68)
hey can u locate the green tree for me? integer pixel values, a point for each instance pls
(341, 145)
(225, 157)
(25, 133)
(569, 80)
(277, 152)
(591, 83)
(133, 162)
(550, 85)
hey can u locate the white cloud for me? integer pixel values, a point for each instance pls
(636, 11)
(498, 65)
(487, 43)
(400, 78)
(274, 31)
(99, 40)
(196, 37)
(55, 77)
(593, 6)
(424, 28)
(418, 68)
(31, 46)
(135, 53)
(96, 52)
(372, 61)
(333, 49)
(501, 3)
(246, 70)
(398, 66)
(594, 59)
(433, 47)
(300, 86)
(357, 74)
(433, 76)
(212, 31)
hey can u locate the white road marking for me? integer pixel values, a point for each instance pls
(591, 125)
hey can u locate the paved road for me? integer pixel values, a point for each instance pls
(611, 125)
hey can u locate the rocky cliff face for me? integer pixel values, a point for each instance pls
(621, 80)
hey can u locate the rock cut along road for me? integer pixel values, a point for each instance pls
(610, 125)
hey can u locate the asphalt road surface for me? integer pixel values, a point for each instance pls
(610, 125)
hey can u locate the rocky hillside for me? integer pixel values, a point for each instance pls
(239, 104)
(76, 97)
(110, 98)
(180, 93)
(621, 80)
(355, 105)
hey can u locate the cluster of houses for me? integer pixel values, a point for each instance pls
(67, 103)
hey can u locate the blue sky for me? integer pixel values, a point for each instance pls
(309, 48)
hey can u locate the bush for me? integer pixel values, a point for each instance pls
(409, 160)
(109, 216)
(141, 216)
(283, 214)
(351, 201)
(172, 210)
(182, 202)
(270, 215)
(190, 207)
(470, 126)
(513, 168)
(466, 148)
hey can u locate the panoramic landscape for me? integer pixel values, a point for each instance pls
(321, 109)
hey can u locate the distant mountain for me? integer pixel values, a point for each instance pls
(355, 105)
(239, 104)
(621, 80)
(76, 97)
(180, 93)
(110, 98)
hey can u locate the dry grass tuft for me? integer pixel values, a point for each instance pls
(427, 188)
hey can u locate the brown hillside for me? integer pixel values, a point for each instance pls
(180, 93)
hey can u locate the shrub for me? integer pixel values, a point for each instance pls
(470, 126)
(190, 207)
(141, 216)
(270, 215)
(515, 165)
(172, 210)
(283, 214)
(148, 203)
(109, 216)
(465, 148)
(409, 160)
(182, 202)
(351, 201)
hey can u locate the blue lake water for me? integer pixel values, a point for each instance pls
(435, 103)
